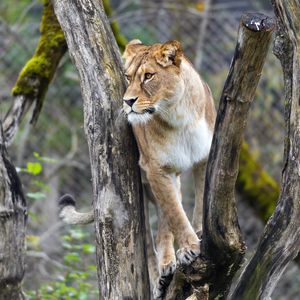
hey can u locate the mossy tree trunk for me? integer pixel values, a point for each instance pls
(13, 217)
(120, 230)
(255, 185)
(217, 234)
(35, 77)
(280, 241)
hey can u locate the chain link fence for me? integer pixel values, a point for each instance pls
(208, 39)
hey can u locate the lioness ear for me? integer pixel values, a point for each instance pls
(131, 49)
(170, 53)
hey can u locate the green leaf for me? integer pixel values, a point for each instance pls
(36, 196)
(92, 268)
(36, 155)
(45, 158)
(88, 248)
(72, 257)
(34, 168)
(67, 238)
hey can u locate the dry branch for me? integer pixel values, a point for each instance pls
(280, 241)
(121, 257)
(35, 77)
(13, 217)
(222, 245)
(222, 242)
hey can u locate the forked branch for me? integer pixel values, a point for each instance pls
(222, 242)
(222, 246)
(280, 241)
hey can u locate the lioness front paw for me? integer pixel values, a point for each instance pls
(161, 286)
(166, 272)
(168, 269)
(188, 254)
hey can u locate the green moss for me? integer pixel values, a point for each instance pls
(256, 185)
(120, 38)
(26, 84)
(36, 75)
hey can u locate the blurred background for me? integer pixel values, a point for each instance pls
(52, 157)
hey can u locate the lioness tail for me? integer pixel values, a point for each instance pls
(68, 213)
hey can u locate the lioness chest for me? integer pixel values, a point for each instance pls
(179, 149)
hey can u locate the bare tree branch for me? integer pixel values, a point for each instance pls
(44, 256)
(222, 242)
(280, 241)
(222, 246)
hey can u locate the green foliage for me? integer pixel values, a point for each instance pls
(257, 185)
(75, 283)
(34, 168)
(38, 188)
(45, 158)
(36, 196)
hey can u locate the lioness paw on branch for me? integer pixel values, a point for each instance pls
(172, 114)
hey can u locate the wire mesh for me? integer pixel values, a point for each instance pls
(59, 134)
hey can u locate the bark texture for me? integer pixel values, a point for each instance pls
(222, 246)
(34, 79)
(120, 229)
(222, 243)
(280, 241)
(13, 217)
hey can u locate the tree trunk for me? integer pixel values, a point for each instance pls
(222, 241)
(34, 79)
(222, 246)
(280, 241)
(120, 229)
(13, 217)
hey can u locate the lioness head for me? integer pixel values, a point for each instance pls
(154, 81)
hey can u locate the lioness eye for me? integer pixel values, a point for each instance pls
(127, 77)
(148, 75)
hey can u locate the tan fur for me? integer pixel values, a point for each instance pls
(173, 118)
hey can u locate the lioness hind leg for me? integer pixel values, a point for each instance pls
(199, 181)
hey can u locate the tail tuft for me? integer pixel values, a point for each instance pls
(66, 200)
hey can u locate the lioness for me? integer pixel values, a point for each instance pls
(172, 114)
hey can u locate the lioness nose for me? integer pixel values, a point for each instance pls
(131, 101)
